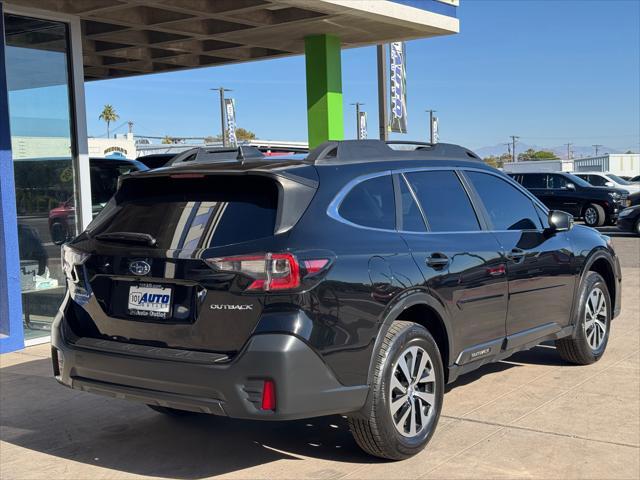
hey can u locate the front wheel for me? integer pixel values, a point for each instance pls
(406, 395)
(594, 215)
(591, 335)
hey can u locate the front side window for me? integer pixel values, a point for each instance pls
(558, 182)
(444, 201)
(371, 204)
(508, 207)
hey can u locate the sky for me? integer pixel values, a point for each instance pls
(549, 71)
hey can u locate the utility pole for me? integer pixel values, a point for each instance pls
(358, 105)
(597, 147)
(383, 120)
(130, 123)
(514, 140)
(221, 90)
(431, 132)
(568, 150)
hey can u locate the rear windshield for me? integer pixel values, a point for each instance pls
(187, 214)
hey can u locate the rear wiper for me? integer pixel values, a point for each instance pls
(127, 237)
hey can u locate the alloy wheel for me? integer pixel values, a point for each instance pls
(595, 318)
(412, 391)
(591, 216)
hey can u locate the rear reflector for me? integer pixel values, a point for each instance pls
(269, 395)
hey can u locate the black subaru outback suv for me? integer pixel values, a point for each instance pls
(358, 281)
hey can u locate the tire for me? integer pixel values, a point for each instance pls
(594, 215)
(376, 429)
(636, 227)
(59, 233)
(588, 343)
(172, 412)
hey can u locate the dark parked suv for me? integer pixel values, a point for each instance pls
(569, 193)
(357, 281)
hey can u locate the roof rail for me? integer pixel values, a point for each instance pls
(353, 151)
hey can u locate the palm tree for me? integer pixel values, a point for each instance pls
(108, 115)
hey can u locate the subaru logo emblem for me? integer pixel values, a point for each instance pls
(139, 267)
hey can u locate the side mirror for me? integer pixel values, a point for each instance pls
(560, 221)
(570, 186)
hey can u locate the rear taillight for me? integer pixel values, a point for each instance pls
(269, 271)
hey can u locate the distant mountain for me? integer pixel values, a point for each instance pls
(561, 150)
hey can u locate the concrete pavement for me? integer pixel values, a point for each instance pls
(528, 416)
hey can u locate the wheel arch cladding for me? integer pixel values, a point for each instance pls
(424, 315)
(601, 265)
(422, 310)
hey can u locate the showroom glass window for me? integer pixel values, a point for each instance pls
(40, 117)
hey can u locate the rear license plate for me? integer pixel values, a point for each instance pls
(150, 301)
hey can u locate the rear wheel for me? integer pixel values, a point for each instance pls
(594, 215)
(589, 341)
(172, 412)
(407, 393)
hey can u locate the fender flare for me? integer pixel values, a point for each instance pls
(394, 311)
(592, 257)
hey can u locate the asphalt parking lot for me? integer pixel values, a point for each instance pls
(529, 416)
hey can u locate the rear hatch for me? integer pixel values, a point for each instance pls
(158, 256)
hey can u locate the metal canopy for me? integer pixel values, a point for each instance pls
(132, 37)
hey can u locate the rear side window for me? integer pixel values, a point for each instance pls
(534, 180)
(371, 204)
(508, 207)
(444, 201)
(187, 214)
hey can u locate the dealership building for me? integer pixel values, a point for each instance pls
(50, 48)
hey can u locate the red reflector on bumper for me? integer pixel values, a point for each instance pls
(269, 395)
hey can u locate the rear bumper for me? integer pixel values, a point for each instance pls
(305, 386)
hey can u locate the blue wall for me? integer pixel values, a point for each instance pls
(11, 330)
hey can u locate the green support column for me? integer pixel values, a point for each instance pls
(324, 89)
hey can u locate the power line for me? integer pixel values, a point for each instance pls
(597, 147)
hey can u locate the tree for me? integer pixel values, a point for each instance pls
(532, 154)
(167, 140)
(498, 161)
(243, 134)
(108, 115)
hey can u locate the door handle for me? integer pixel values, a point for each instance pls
(516, 255)
(437, 260)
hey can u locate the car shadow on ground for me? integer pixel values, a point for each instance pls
(39, 414)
